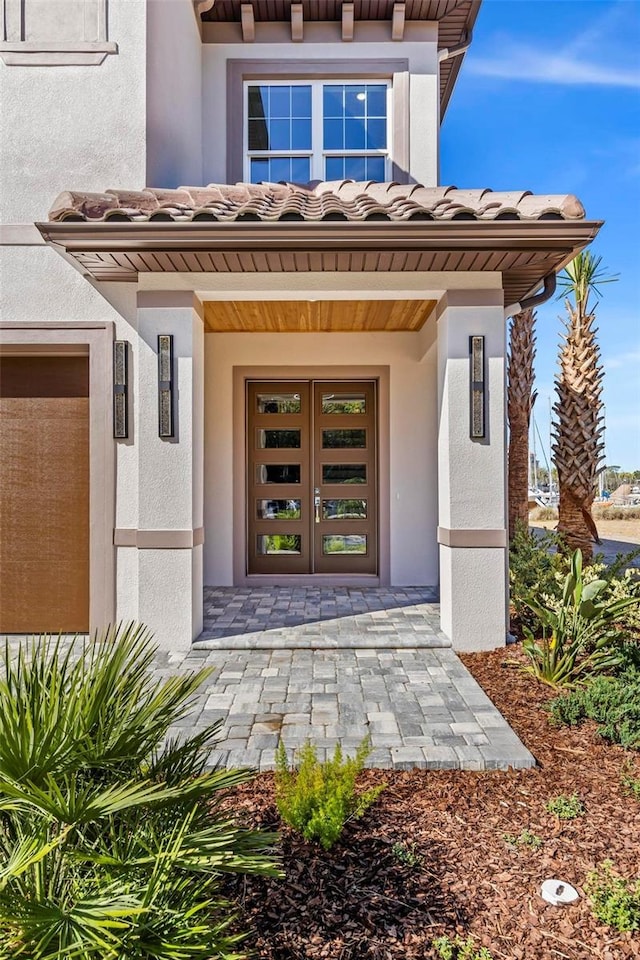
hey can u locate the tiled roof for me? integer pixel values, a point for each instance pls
(338, 200)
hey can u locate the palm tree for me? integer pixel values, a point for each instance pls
(578, 445)
(520, 400)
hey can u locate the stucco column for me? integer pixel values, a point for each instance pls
(160, 568)
(471, 475)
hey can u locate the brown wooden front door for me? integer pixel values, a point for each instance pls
(312, 477)
(44, 494)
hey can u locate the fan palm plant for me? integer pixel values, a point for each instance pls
(112, 838)
(578, 445)
(520, 401)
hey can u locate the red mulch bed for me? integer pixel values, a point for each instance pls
(359, 902)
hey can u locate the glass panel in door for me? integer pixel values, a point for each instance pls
(344, 473)
(278, 478)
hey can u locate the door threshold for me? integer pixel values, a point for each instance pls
(310, 580)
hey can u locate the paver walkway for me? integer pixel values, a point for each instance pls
(421, 707)
(331, 665)
(253, 618)
(334, 663)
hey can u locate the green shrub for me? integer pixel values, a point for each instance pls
(112, 841)
(459, 949)
(614, 900)
(565, 807)
(533, 565)
(612, 702)
(407, 853)
(580, 639)
(630, 783)
(524, 839)
(538, 569)
(317, 799)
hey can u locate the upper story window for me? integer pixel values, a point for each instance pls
(318, 130)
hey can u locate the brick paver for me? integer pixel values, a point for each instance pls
(332, 665)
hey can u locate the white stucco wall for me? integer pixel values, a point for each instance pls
(74, 127)
(413, 424)
(174, 95)
(375, 45)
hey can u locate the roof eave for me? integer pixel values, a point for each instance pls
(105, 235)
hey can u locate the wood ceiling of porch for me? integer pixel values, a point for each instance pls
(316, 316)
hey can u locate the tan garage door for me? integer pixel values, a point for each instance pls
(44, 494)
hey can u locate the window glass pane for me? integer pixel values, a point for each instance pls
(301, 101)
(344, 473)
(279, 134)
(272, 439)
(295, 169)
(279, 101)
(344, 509)
(279, 169)
(333, 134)
(344, 403)
(258, 102)
(333, 100)
(375, 169)
(279, 543)
(343, 438)
(279, 403)
(277, 473)
(354, 134)
(376, 134)
(300, 170)
(301, 135)
(334, 168)
(376, 100)
(280, 509)
(258, 135)
(355, 168)
(259, 170)
(355, 543)
(355, 100)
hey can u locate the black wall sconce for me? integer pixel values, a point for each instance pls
(120, 389)
(165, 386)
(477, 429)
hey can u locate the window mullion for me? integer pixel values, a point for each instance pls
(317, 161)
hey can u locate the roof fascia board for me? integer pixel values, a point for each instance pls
(458, 235)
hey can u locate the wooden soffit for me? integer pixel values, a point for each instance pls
(316, 316)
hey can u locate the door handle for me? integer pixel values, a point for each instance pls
(316, 502)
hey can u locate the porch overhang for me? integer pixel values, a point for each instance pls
(523, 251)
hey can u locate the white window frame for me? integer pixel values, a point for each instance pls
(317, 153)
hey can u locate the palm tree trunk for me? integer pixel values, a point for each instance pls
(578, 443)
(520, 400)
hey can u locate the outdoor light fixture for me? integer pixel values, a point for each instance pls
(478, 393)
(165, 386)
(120, 389)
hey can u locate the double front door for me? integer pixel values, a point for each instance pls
(312, 477)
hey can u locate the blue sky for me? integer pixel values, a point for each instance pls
(548, 100)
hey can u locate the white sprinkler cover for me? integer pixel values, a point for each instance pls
(558, 892)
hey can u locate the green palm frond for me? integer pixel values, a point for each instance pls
(112, 837)
(583, 277)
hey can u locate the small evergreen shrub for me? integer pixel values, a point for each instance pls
(566, 808)
(614, 900)
(630, 783)
(317, 799)
(407, 853)
(533, 564)
(459, 949)
(614, 704)
(524, 839)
